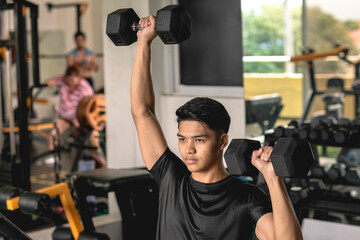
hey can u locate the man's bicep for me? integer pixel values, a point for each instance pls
(265, 227)
(151, 139)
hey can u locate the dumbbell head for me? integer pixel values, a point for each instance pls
(292, 157)
(173, 24)
(336, 172)
(238, 157)
(352, 175)
(118, 26)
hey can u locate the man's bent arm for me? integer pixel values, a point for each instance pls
(151, 138)
(282, 223)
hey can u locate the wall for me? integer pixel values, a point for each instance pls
(122, 145)
(56, 35)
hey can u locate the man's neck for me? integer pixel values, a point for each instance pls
(210, 176)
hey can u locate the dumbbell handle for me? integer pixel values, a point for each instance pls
(135, 26)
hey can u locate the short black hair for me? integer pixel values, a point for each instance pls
(79, 33)
(206, 110)
(70, 70)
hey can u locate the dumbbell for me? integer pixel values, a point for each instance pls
(288, 130)
(320, 126)
(352, 175)
(342, 133)
(336, 173)
(291, 157)
(173, 25)
(304, 131)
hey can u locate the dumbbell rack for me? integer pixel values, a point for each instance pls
(322, 199)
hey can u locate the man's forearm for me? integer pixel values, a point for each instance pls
(285, 221)
(142, 93)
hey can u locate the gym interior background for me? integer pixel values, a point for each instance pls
(283, 54)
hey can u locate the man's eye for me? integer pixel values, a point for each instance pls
(199, 140)
(181, 139)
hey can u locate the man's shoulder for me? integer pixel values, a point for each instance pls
(89, 51)
(244, 188)
(73, 52)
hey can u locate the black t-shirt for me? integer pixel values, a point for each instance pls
(188, 209)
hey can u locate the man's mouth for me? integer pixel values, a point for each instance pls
(190, 160)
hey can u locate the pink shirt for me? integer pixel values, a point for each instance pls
(70, 100)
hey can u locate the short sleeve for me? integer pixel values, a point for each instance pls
(167, 165)
(259, 205)
(86, 88)
(59, 80)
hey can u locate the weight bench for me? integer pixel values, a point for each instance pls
(136, 194)
(264, 110)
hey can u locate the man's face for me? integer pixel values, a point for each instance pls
(80, 41)
(72, 80)
(199, 146)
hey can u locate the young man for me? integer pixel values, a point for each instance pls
(197, 197)
(84, 58)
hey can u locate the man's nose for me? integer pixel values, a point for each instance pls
(190, 149)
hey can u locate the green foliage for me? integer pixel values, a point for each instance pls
(351, 25)
(263, 35)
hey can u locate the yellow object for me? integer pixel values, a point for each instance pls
(62, 190)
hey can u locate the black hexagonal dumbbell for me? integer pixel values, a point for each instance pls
(352, 175)
(287, 131)
(173, 25)
(291, 157)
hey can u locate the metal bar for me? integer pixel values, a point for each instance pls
(1, 109)
(78, 13)
(6, 7)
(10, 231)
(10, 110)
(64, 5)
(23, 179)
(7, 43)
(35, 45)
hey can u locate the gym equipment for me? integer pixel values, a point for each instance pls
(291, 157)
(173, 25)
(336, 173)
(264, 110)
(309, 56)
(320, 126)
(37, 203)
(289, 130)
(304, 131)
(136, 194)
(6, 193)
(352, 175)
(91, 112)
(10, 231)
(342, 133)
(18, 168)
(296, 194)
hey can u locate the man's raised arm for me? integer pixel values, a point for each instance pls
(151, 138)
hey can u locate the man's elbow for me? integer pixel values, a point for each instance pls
(140, 112)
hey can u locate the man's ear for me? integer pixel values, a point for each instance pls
(224, 140)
